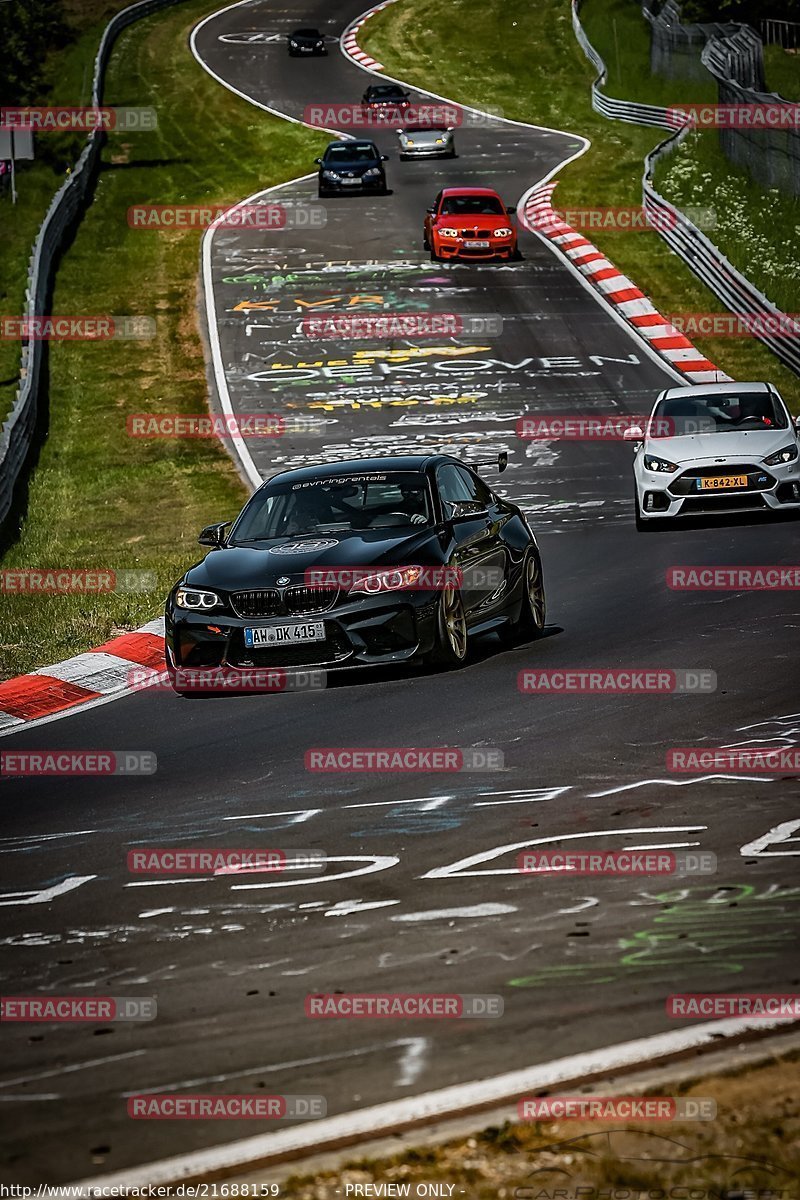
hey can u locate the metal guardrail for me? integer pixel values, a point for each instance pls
(66, 208)
(607, 106)
(699, 253)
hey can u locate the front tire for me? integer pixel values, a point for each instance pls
(450, 650)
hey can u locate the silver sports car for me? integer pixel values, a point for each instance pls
(422, 141)
(713, 449)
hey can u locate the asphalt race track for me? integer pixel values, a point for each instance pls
(580, 964)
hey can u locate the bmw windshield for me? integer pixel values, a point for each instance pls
(332, 505)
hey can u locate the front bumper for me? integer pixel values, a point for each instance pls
(361, 186)
(678, 495)
(366, 631)
(455, 248)
(443, 151)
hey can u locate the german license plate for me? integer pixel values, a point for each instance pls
(351, 182)
(284, 635)
(717, 483)
(477, 245)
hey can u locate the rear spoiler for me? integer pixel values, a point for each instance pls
(501, 462)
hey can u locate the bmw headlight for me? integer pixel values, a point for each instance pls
(196, 599)
(651, 463)
(784, 455)
(448, 232)
(387, 581)
(504, 232)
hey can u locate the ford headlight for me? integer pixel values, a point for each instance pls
(651, 463)
(785, 455)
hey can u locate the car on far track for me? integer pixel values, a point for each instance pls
(714, 449)
(355, 166)
(306, 43)
(418, 140)
(387, 99)
(469, 223)
(367, 562)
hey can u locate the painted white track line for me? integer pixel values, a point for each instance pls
(350, 1128)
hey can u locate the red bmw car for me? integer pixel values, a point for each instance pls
(469, 222)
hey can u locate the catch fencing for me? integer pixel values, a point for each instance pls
(19, 432)
(699, 253)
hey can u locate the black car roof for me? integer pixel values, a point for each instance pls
(306, 31)
(383, 88)
(363, 466)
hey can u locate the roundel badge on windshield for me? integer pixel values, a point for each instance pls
(310, 546)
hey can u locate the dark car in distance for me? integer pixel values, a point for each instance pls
(386, 96)
(306, 42)
(351, 166)
(358, 563)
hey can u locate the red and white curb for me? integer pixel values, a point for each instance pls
(104, 673)
(349, 40)
(537, 214)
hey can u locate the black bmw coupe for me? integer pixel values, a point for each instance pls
(358, 563)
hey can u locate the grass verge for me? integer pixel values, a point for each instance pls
(782, 68)
(67, 71)
(525, 60)
(749, 1150)
(98, 497)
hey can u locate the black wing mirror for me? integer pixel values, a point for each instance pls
(384, 158)
(510, 209)
(213, 535)
(464, 510)
(318, 161)
(431, 210)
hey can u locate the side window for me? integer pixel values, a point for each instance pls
(476, 487)
(452, 484)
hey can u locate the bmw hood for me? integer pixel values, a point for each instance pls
(746, 444)
(289, 558)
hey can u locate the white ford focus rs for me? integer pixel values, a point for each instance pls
(715, 449)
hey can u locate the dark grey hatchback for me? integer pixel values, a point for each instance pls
(355, 166)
